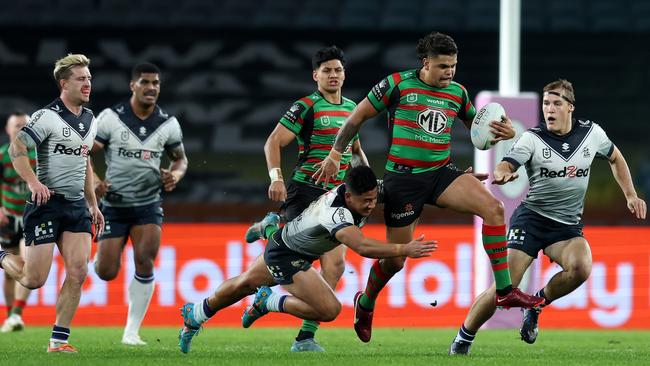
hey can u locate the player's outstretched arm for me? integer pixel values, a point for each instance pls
(621, 173)
(329, 167)
(504, 173)
(278, 139)
(352, 237)
(18, 152)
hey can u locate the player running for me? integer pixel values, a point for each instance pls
(314, 121)
(422, 105)
(557, 157)
(134, 135)
(334, 219)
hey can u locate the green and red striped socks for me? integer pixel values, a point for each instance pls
(494, 243)
(377, 279)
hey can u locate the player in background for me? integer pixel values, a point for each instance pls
(14, 193)
(422, 105)
(62, 205)
(334, 219)
(134, 134)
(558, 157)
(314, 121)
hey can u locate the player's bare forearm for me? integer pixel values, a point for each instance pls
(178, 159)
(362, 112)
(358, 156)
(89, 185)
(621, 173)
(279, 138)
(353, 238)
(19, 155)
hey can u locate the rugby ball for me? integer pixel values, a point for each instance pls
(480, 130)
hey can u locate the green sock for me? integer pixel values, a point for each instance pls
(269, 230)
(494, 243)
(376, 282)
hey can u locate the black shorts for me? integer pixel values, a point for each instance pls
(406, 194)
(11, 233)
(45, 223)
(283, 262)
(119, 220)
(531, 232)
(299, 197)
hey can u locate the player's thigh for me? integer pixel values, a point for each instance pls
(257, 274)
(518, 263)
(310, 287)
(109, 251)
(146, 241)
(571, 254)
(335, 258)
(38, 261)
(75, 249)
(468, 195)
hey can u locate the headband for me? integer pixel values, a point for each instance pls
(560, 95)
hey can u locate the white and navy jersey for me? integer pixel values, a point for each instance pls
(133, 149)
(63, 142)
(314, 231)
(558, 168)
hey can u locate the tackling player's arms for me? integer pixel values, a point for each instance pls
(352, 237)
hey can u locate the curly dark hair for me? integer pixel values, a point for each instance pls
(434, 44)
(360, 179)
(326, 54)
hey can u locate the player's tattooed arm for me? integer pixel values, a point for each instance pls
(170, 177)
(361, 113)
(21, 145)
(18, 152)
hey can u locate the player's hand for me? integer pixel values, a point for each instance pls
(479, 176)
(101, 188)
(4, 219)
(637, 206)
(326, 171)
(503, 177)
(168, 179)
(277, 191)
(419, 247)
(40, 193)
(502, 130)
(97, 220)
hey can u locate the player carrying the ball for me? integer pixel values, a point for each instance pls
(422, 105)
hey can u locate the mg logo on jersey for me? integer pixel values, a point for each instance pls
(124, 135)
(143, 131)
(412, 97)
(66, 131)
(432, 120)
(546, 152)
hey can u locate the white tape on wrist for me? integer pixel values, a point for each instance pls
(276, 175)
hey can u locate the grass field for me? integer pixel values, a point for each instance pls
(270, 346)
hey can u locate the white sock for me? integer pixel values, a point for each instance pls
(275, 302)
(140, 295)
(199, 314)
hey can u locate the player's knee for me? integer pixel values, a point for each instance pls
(579, 271)
(33, 282)
(333, 269)
(331, 311)
(76, 273)
(493, 210)
(106, 273)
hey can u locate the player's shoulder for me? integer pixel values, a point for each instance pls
(348, 102)
(401, 76)
(163, 114)
(50, 111)
(458, 86)
(586, 124)
(310, 100)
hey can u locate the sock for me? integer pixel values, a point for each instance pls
(376, 282)
(541, 293)
(308, 330)
(17, 307)
(202, 312)
(275, 302)
(140, 293)
(494, 243)
(270, 230)
(60, 334)
(464, 335)
(3, 254)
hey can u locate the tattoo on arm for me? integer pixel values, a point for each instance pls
(345, 135)
(176, 153)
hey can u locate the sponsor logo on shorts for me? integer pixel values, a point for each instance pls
(299, 263)
(82, 150)
(138, 154)
(408, 211)
(44, 231)
(516, 236)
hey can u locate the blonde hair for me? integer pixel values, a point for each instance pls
(63, 66)
(566, 86)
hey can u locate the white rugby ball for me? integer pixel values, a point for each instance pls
(480, 130)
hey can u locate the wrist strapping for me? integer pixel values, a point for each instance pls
(276, 175)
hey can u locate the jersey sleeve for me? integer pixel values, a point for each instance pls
(467, 110)
(103, 126)
(521, 151)
(38, 127)
(379, 95)
(336, 218)
(294, 117)
(605, 145)
(175, 137)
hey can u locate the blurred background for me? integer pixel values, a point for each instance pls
(231, 68)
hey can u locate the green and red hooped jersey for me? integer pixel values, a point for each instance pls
(420, 117)
(315, 122)
(14, 189)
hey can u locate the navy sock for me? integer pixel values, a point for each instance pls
(465, 335)
(541, 293)
(206, 309)
(146, 278)
(60, 334)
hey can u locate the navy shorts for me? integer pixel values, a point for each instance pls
(531, 232)
(299, 197)
(405, 194)
(45, 223)
(11, 233)
(283, 262)
(119, 220)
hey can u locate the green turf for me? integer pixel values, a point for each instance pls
(264, 346)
